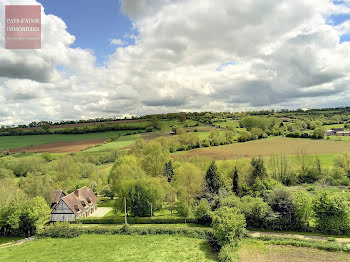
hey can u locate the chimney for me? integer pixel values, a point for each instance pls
(76, 192)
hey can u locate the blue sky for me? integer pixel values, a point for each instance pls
(93, 23)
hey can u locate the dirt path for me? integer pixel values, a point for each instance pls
(257, 234)
(60, 147)
(18, 242)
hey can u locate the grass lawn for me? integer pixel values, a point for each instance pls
(333, 126)
(24, 141)
(112, 248)
(340, 138)
(269, 146)
(257, 251)
(4, 240)
(121, 142)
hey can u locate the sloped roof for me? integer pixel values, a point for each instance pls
(56, 197)
(76, 199)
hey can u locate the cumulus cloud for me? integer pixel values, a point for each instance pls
(271, 54)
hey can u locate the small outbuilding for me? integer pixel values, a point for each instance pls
(80, 203)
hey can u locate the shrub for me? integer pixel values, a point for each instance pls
(202, 212)
(60, 230)
(229, 225)
(281, 202)
(332, 214)
(255, 211)
(228, 253)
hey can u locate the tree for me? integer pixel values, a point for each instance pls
(153, 158)
(235, 185)
(155, 122)
(140, 195)
(258, 169)
(303, 202)
(244, 136)
(182, 118)
(212, 179)
(281, 202)
(229, 225)
(168, 171)
(189, 181)
(38, 185)
(35, 212)
(124, 169)
(318, 133)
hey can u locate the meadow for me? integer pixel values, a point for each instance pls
(258, 251)
(112, 248)
(269, 146)
(121, 142)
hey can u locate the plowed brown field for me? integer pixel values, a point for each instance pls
(60, 147)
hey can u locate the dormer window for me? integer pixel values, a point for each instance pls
(88, 200)
(76, 207)
(83, 203)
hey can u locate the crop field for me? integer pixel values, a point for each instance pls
(8, 142)
(112, 248)
(267, 147)
(257, 251)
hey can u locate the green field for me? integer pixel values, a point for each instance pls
(112, 248)
(165, 125)
(333, 126)
(7, 142)
(121, 142)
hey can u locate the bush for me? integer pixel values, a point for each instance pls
(229, 225)
(332, 214)
(202, 212)
(255, 211)
(64, 230)
(228, 253)
(60, 230)
(281, 202)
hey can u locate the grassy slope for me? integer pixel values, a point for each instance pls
(121, 142)
(111, 248)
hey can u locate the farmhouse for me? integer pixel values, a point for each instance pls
(80, 203)
(337, 132)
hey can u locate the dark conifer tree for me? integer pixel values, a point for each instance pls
(168, 171)
(212, 179)
(235, 186)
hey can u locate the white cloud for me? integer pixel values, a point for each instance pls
(285, 55)
(118, 42)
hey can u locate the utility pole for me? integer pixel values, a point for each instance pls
(126, 222)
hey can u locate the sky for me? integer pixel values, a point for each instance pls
(117, 58)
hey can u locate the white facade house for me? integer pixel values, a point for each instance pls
(80, 203)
